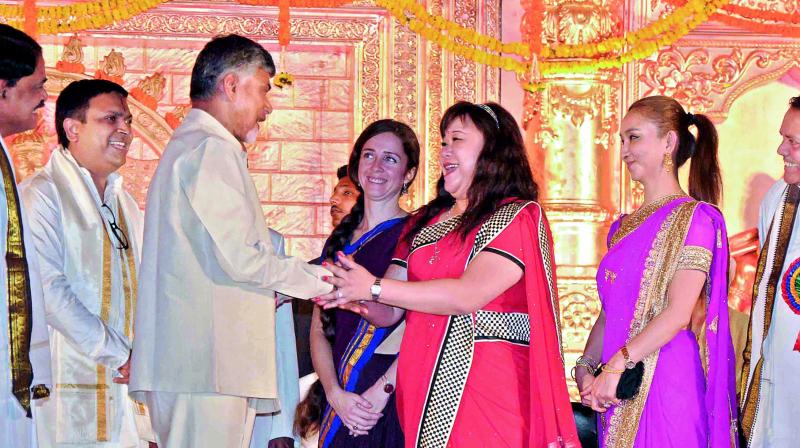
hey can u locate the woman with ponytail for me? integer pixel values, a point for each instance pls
(663, 288)
(356, 369)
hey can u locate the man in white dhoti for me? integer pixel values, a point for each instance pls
(769, 389)
(24, 351)
(204, 354)
(87, 230)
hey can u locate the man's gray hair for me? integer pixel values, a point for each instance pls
(222, 55)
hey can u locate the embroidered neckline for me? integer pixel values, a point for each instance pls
(640, 215)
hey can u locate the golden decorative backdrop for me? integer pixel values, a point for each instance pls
(355, 64)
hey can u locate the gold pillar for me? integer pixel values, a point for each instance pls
(571, 130)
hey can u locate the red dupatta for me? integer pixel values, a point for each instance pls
(550, 406)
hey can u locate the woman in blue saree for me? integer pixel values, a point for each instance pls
(355, 362)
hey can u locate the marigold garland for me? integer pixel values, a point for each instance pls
(756, 20)
(533, 20)
(670, 29)
(284, 34)
(79, 16)
(665, 31)
(633, 46)
(398, 9)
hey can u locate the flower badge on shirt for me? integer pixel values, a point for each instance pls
(790, 288)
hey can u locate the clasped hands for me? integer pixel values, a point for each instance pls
(600, 392)
(351, 284)
(360, 413)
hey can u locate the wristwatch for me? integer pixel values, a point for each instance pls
(629, 364)
(375, 289)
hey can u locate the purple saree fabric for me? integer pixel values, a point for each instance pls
(691, 398)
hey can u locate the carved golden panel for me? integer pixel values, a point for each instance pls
(356, 69)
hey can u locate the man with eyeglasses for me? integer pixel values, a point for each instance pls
(87, 231)
(24, 351)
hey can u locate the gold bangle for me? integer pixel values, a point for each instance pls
(610, 370)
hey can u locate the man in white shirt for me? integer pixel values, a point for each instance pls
(87, 230)
(24, 350)
(204, 357)
(770, 391)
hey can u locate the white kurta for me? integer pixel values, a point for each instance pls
(205, 318)
(70, 228)
(280, 424)
(775, 426)
(15, 429)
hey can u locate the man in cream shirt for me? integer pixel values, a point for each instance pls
(24, 350)
(88, 233)
(204, 355)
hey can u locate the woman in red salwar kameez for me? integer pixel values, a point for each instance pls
(480, 362)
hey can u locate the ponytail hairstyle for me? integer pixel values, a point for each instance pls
(705, 177)
(501, 172)
(342, 234)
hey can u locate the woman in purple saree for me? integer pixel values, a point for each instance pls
(663, 287)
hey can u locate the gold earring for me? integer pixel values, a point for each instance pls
(668, 165)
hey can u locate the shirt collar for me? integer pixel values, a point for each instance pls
(213, 125)
(113, 183)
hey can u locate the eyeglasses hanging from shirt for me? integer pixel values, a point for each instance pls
(119, 235)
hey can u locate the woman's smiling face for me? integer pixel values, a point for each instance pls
(461, 146)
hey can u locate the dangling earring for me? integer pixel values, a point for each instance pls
(668, 165)
(404, 190)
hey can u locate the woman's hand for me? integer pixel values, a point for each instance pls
(603, 390)
(584, 381)
(377, 396)
(351, 282)
(356, 412)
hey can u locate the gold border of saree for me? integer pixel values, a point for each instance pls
(660, 266)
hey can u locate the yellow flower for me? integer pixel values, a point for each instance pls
(283, 79)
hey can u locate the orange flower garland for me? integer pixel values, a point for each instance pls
(284, 34)
(31, 15)
(73, 17)
(756, 20)
(533, 19)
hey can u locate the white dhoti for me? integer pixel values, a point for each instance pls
(200, 420)
(89, 282)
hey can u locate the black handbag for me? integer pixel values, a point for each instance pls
(629, 382)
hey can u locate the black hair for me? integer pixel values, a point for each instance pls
(341, 172)
(18, 54)
(73, 102)
(501, 172)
